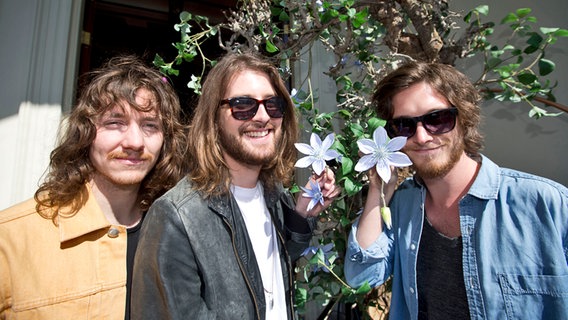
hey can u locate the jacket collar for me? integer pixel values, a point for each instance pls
(88, 219)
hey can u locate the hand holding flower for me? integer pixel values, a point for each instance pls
(318, 194)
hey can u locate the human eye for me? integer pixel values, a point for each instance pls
(152, 126)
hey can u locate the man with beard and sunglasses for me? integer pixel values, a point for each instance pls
(220, 244)
(68, 252)
(469, 240)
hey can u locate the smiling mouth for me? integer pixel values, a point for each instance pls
(257, 134)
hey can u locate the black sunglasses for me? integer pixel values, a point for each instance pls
(244, 108)
(435, 122)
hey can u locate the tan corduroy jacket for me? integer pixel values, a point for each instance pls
(73, 270)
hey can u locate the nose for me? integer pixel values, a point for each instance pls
(261, 114)
(422, 135)
(133, 138)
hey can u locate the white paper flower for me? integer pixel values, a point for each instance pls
(317, 152)
(382, 153)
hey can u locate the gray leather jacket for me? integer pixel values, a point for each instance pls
(195, 259)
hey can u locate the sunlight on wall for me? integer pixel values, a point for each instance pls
(27, 140)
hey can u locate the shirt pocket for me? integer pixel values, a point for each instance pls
(535, 296)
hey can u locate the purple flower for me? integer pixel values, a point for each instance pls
(317, 152)
(324, 255)
(315, 193)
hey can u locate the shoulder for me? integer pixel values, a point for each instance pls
(523, 182)
(182, 194)
(18, 211)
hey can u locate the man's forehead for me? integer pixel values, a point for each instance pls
(124, 109)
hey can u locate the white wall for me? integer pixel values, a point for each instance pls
(38, 58)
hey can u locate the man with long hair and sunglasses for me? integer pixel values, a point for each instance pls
(68, 252)
(220, 244)
(469, 240)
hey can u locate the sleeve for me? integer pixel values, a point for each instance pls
(372, 265)
(298, 229)
(166, 279)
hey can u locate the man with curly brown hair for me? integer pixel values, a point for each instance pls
(67, 253)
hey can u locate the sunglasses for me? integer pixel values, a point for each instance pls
(435, 122)
(244, 108)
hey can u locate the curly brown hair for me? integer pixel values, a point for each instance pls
(449, 83)
(208, 170)
(114, 83)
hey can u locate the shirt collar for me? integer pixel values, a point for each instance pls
(486, 184)
(88, 219)
(487, 181)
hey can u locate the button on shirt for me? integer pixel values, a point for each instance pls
(515, 247)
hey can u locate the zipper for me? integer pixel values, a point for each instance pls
(256, 308)
(289, 267)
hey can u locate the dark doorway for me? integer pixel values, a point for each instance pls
(144, 28)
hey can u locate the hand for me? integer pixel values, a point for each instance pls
(329, 190)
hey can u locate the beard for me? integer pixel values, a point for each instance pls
(239, 150)
(439, 168)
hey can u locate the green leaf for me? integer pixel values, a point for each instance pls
(374, 123)
(535, 39)
(561, 33)
(346, 166)
(511, 17)
(364, 289)
(523, 12)
(352, 187)
(493, 63)
(482, 9)
(270, 47)
(527, 78)
(545, 66)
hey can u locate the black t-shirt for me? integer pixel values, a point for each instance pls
(439, 277)
(131, 245)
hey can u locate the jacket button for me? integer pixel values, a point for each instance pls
(113, 233)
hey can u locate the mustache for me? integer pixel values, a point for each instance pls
(125, 155)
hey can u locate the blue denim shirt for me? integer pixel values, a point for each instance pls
(515, 247)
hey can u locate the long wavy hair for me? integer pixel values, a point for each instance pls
(446, 81)
(113, 84)
(208, 169)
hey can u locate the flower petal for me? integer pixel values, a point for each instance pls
(365, 163)
(318, 165)
(396, 143)
(367, 146)
(399, 159)
(384, 171)
(304, 162)
(331, 154)
(380, 136)
(315, 141)
(327, 142)
(304, 148)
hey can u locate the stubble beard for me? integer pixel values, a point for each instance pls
(235, 147)
(434, 169)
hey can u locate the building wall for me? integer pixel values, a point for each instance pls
(38, 56)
